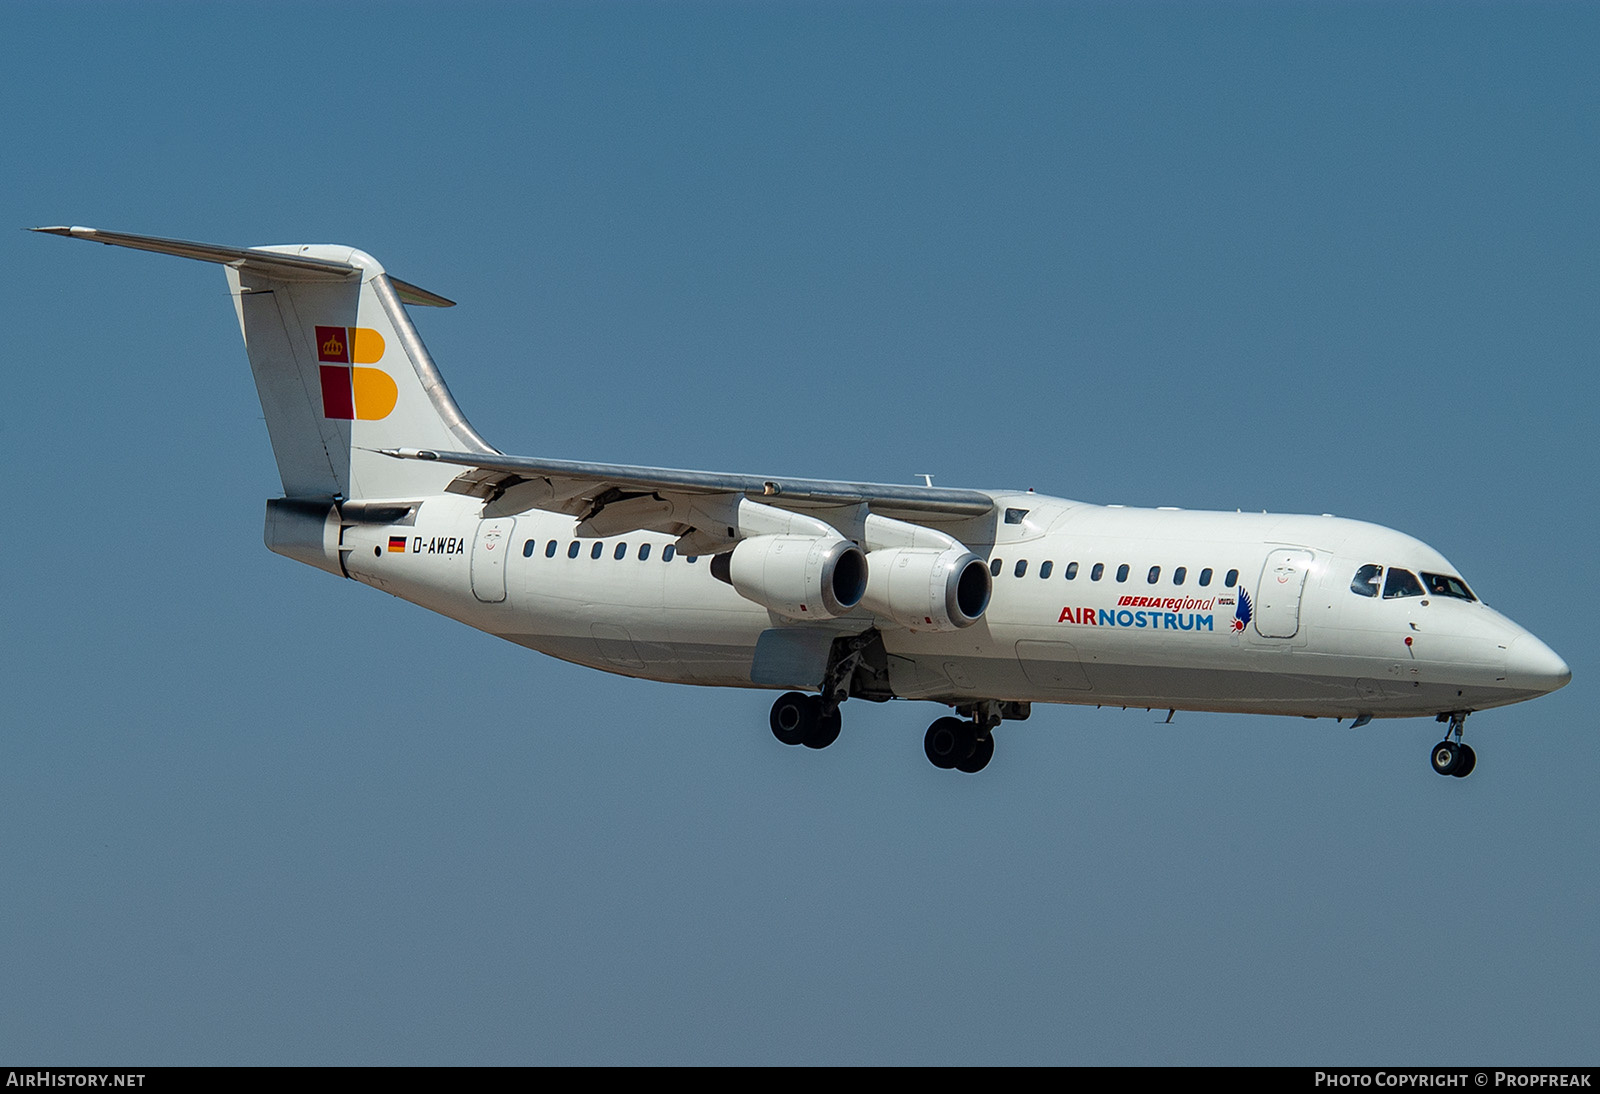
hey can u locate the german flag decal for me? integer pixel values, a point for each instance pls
(397, 544)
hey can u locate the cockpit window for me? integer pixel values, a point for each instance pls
(1401, 583)
(1445, 585)
(1367, 580)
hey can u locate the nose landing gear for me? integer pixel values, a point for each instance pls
(1450, 756)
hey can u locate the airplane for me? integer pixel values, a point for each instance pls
(985, 601)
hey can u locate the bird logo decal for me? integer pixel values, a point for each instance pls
(1242, 613)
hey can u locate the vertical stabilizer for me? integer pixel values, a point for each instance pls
(341, 373)
(338, 365)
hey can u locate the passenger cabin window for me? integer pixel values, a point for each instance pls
(1179, 574)
(550, 549)
(1401, 583)
(621, 552)
(572, 551)
(597, 550)
(691, 558)
(1022, 567)
(1367, 580)
(1045, 567)
(1072, 571)
(1445, 585)
(1155, 574)
(1122, 572)
(994, 568)
(644, 551)
(1098, 572)
(1205, 577)
(528, 549)
(667, 552)
(1231, 580)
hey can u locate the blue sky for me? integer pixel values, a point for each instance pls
(1304, 258)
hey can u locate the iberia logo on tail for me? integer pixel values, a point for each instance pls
(350, 392)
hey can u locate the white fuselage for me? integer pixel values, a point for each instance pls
(1091, 605)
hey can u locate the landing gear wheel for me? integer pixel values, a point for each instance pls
(982, 753)
(949, 741)
(1447, 757)
(1452, 756)
(824, 728)
(793, 715)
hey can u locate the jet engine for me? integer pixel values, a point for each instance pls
(927, 589)
(802, 577)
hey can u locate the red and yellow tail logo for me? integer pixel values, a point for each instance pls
(350, 392)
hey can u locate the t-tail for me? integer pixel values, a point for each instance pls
(342, 375)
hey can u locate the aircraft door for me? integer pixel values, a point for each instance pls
(1283, 580)
(489, 550)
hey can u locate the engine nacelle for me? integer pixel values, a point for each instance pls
(802, 577)
(927, 589)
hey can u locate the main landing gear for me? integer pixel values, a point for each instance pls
(957, 744)
(813, 720)
(967, 744)
(952, 744)
(799, 719)
(1450, 756)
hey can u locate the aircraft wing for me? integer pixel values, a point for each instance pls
(609, 499)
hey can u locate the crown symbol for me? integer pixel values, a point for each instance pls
(333, 347)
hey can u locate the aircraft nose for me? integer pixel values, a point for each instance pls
(1533, 666)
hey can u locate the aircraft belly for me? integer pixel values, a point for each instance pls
(668, 664)
(716, 645)
(667, 621)
(1054, 666)
(1126, 667)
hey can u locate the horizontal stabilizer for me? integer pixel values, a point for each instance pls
(270, 262)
